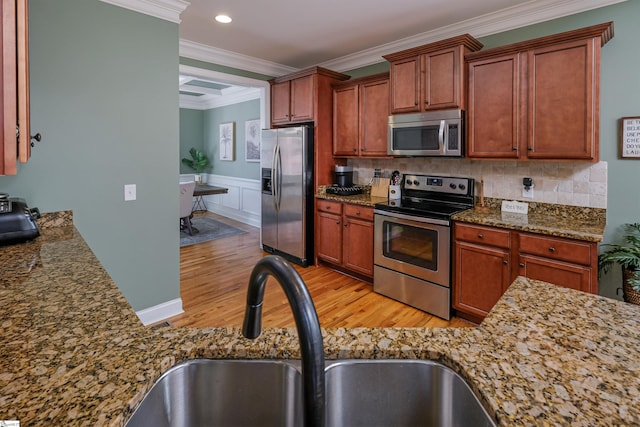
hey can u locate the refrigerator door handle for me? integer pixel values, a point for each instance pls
(277, 175)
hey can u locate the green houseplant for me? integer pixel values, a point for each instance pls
(628, 257)
(198, 162)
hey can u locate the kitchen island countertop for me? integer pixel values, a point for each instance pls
(74, 352)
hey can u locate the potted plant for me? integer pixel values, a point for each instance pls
(198, 162)
(628, 257)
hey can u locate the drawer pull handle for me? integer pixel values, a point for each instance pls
(480, 236)
(552, 249)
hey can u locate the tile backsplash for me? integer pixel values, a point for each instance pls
(565, 183)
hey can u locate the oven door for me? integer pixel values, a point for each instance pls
(414, 247)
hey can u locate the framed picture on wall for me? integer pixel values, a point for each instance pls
(252, 140)
(630, 138)
(227, 141)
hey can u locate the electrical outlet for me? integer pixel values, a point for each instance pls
(129, 192)
(527, 193)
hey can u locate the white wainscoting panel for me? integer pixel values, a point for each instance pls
(241, 203)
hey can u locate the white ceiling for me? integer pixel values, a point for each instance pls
(303, 33)
(280, 36)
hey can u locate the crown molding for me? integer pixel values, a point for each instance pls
(169, 10)
(507, 19)
(214, 55)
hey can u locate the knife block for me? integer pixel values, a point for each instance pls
(380, 189)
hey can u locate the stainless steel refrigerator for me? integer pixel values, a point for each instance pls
(287, 192)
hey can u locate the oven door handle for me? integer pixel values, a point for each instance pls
(412, 217)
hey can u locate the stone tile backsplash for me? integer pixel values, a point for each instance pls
(565, 183)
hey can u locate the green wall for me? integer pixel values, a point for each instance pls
(209, 133)
(104, 97)
(191, 135)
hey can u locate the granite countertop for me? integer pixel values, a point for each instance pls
(74, 352)
(572, 222)
(364, 199)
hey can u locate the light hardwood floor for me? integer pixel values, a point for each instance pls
(214, 277)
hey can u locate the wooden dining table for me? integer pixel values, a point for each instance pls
(205, 190)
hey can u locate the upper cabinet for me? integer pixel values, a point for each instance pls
(537, 99)
(15, 140)
(307, 96)
(430, 77)
(360, 115)
(294, 96)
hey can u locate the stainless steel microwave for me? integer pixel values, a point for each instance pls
(429, 134)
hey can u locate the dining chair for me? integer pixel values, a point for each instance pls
(186, 203)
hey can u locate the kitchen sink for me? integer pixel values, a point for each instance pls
(370, 393)
(205, 392)
(399, 393)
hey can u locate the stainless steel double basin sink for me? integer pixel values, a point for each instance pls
(391, 392)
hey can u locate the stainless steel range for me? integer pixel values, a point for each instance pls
(412, 246)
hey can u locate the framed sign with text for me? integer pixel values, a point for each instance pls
(630, 137)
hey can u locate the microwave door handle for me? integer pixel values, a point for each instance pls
(441, 136)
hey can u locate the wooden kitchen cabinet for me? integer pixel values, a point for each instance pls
(329, 231)
(571, 263)
(430, 77)
(482, 271)
(483, 267)
(344, 236)
(15, 143)
(537, 99)
(292, 100)
(294, 97)
(360, 116)
(303, 97)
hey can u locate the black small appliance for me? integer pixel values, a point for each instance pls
(17, 220)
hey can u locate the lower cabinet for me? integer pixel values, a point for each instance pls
(484, 267)
(344, 236)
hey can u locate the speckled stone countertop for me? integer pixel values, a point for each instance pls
(75, 354)
(572, 222)
(364, 199)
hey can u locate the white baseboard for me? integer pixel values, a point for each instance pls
(160, 312)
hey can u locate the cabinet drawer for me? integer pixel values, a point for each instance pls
(328, 206)
(483, 235)
(557, 248)
(358, 211)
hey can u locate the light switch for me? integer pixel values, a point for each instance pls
(129, 192)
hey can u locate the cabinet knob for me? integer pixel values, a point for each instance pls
(530, 148)
(552, 249)
(505, 262)
(514, 148)
(521, 264)
(480, 236)
(338, 222)
(345, 224)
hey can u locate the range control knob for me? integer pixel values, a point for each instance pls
(416, 182)
(462, 187)
(453, 186)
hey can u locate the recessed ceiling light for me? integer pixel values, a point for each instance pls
(223, 19)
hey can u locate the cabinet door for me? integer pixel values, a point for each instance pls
(9, 142)
(442, 79)
(329, 235)
(405, 85)
(374, 116)
(560, 273)
(481, 277)
(562, 110)
(345, 121)
(493, 113)
(302, 99)
(280, 95)
(358, 245)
